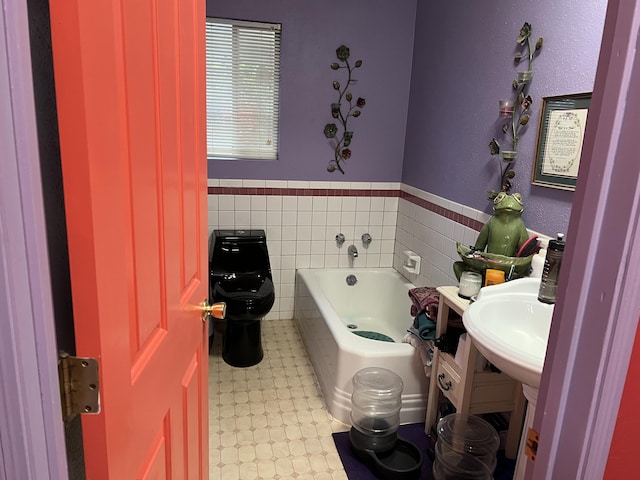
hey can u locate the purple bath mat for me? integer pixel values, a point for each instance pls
(414, 433)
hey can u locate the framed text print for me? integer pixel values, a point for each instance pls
(560, 138)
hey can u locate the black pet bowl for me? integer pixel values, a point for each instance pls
(402, 462)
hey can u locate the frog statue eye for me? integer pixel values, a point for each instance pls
(517, 197)
(499, 198)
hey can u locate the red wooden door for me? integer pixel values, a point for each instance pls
(130, 96)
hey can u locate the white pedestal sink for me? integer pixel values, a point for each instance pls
(510, 327)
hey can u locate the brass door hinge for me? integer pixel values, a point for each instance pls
(79, 385)
(531, 448)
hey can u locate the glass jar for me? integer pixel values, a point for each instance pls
(470, 284)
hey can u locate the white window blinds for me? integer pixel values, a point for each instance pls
(243, 76)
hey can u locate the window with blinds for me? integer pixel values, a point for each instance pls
(243, 83)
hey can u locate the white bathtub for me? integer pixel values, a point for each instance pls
(325, 305)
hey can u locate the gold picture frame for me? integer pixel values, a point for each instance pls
(560, 140)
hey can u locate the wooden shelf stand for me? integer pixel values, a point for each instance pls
(469, 391)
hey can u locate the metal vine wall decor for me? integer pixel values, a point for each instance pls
(517, 110)
(339, 136)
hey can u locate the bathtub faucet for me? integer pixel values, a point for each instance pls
(352, 251)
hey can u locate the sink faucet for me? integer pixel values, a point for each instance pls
(352, 251)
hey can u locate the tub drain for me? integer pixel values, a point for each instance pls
(352, 326)
(374, 336)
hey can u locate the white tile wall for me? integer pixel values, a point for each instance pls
(433, 237)
(301, 230)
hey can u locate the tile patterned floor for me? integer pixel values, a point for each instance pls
(270, 421)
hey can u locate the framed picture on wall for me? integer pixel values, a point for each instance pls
(560, 139)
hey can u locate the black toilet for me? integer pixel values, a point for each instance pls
(240, 276)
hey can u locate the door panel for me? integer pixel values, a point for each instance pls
(130, 91)
(192, 116)
(155, 464)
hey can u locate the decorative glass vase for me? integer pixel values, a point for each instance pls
(506, 108)
(508, 155)
(525, 77)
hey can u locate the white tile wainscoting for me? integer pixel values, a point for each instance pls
(301, 220)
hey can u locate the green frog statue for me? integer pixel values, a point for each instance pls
(505, 232)
(500, 242)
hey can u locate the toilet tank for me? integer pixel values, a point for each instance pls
(239, 252)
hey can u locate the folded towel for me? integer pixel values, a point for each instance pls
(425, 326)
(423, 347)
(424, 299)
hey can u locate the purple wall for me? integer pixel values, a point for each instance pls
(378, 32)
(462, 66)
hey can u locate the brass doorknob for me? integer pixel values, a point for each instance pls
(216, 310)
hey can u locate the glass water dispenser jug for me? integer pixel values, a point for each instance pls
(375, 409)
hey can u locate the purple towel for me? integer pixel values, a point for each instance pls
(424, 299)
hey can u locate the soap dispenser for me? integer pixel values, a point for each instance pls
(551, 270)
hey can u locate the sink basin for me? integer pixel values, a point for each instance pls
(510, 327)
